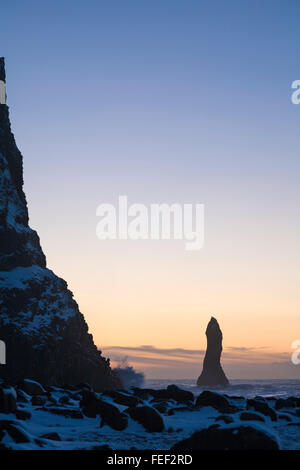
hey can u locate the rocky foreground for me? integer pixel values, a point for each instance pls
(76, 417)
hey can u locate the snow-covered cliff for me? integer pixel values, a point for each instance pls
(46, 336)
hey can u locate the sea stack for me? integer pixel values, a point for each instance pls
(212, 373)
(45, 334)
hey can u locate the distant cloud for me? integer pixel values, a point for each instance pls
(189, 361)
(178, 352)
(180, 363)
(234, 348)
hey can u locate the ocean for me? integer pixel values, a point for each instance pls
(246, 388)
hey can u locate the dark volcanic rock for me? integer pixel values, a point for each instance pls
(22, 397)
(226, 419)
(64, 400)
(93, 406)
(143, 393)
(180, 409)
(67, 412)
(32, 388)
(123, 398)
(15, 431)
(38, 401)
(52, 436)
(261, 407)
(248, 416)
(23, 414)
(147, 417)
(217, 401)
(46, 336)
(236, 438)
(2, 69)
(89, 404)
(161, 406)
(8, 403)
(285, 417)
(281, 403)
(212, 373)
(111, 416)
(179, 395)
(172, 392)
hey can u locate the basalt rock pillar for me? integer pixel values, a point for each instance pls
(212, 373)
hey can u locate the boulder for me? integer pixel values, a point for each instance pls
(15, 431)
(284, 417)
(226, 419)
(172, 392)
(8, 402)
(111, 416)
(215, 400)
(122, 398)
(89, 404)
(285, 403)
(161, 406)
(177, 409)
(66, 412)
(248, 416)
(22, 397)
(31, 387)
(234, 438)
(261, 407)
(38, 400)
(147, 417)
(143, 393)
(64, 400)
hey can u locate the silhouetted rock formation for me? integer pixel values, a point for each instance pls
(2, 69)
(213, 373)
(45, 334)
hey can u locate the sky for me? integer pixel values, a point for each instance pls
(166, 101)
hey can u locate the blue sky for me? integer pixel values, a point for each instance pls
(164, 101)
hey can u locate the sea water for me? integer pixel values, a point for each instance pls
(246, 388)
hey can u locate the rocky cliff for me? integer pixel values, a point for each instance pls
(213, 373)
(46, 336)
(2, 69)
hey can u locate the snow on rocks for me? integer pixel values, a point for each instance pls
(230, 438)
(215, 400)
(77, 417)
(262, 407)
(148, 417)
(31, 387)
